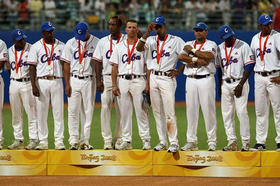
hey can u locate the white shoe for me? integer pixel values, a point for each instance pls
(86, 147)
(42, 146)
(212, 147)
(32, 144)
(18, 144)
(118, 144)
(190, 146)
(173, 148)
(160, 147)
(231, 146)
(245, 146)
(59, 146)
(74, 146)
(126, 145)
(146, 145)
(108, 145)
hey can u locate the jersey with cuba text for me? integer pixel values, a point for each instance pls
(3, 52)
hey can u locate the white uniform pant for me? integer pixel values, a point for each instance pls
(107, 99)
(21, 97)
(131, 94)
(229, 104)
(266, 92)
(82, 98)
(1, 109)
(50, 90)
(201, 92)
(162, 92)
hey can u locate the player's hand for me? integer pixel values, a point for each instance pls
(100, 86)
(147, 88)
(35, 91)
(173, 73)
(275, 80)
(201, 62)
(116, 91)
(188, 48)
(68, 90)
(238, 90)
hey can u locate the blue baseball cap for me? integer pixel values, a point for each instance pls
(81, 30)
(225, 32)
(201, 25)
(264, 19)
(17, 35)
(47, 26)
(159, 20)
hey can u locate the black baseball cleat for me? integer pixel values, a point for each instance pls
(258, 147)
(278, 147)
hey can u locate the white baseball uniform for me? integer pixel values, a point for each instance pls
(265, 90)
(50, 89)
(3, 58)
(162, 87)
(131, 89)
(239, 55)
(78, 54)
(21, 93)
(200, 90)
(102, 54)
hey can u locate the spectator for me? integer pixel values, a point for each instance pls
(133, 9)
(238, 14)
(224, 6)
(124, 8)
(111, 11)
(202, 9)
(145, 12)
(50, 7)
(23, 13)
(13, 8)
(264, 7)
(191, 8)
(86, 9)
(213, 16)
(72, 9)
(35, 7)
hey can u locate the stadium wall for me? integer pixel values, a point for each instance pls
(185, 35)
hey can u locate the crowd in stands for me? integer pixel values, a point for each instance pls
(240, 14)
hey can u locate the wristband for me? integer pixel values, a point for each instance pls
(143, 40)
(193, 50)
(194, 59)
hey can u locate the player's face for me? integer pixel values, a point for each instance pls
(131, 29)
(48, 35)
(114, 26)
(266, 29)
(20, 44)
(200, 34)
(159, 30)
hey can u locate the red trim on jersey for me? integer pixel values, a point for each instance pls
(99, 60)
(65, 60)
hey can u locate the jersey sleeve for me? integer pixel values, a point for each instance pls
(252, 46)
(97, 55)
(248, 56)
(114, 59)
(67, 52)
(3, 52)
(277, 42)
(32, 55)
(179, 45)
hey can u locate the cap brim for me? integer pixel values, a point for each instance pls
(228, 35)
(266, 22)
(196, 27)
(80, 37)
(20, 37)
(49, 29)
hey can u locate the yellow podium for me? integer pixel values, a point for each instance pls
(270, 164)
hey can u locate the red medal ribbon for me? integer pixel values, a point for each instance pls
(81, 56)
(228, 56)
(130, 52)
(200, 45)
(264, 47)
(18, 61)
(161, 49)
(111, 42)
(52, 49)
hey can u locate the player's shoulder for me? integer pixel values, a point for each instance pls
(94, 38)
(274, 33)
(212, 43)
(256, 36)
(222, 45)
(58, 42)
(2, 42)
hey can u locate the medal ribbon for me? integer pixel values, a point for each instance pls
(18, 61)
(264, 47)
(200, 45)
(111, 43)
(228, 56)
(130, 52)
(81, 56)
(52, 49)
(161, 49)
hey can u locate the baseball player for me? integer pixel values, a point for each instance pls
(129, 65)
(3, 60)
(101, 58)
(45, 67)
(199, 56)
(163, 51)
(266, 48)
(21, 92)
(80, 84)
(234, 64)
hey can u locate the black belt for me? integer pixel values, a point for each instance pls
(231, 80)
(107, 74)
(267, 73)
(130, 77)
(159, 73)
(198, 76)
(49, 77)
(82, 77)
(21, 80)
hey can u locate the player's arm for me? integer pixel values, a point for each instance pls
(98, 71)
(35, 90)
(66, 72)
(206, 55)
(2, 64)
(192, 61)
(141, 45)
(115, 89)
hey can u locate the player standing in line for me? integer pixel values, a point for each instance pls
(199, 56)
(234, 65)
(45, 67)
(80, 87)
(21, 92)
(101, 58)
(129, 65)
(163, 51)
(266, 48)
(3, 60)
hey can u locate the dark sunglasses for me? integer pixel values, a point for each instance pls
(157, 26)
(198, 30)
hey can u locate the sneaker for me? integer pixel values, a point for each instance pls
(59, 146)
(146, 145)
(212, 147)
(126, 145)
(160, 147)
(74, 146)
(278, 147)
(173, 148)
(258, 147)
(42, 146)
(118, 143)
(32, 144)
(231, 146)
(108, 145)
(245, 147)
(86, 147)
(18, 144)
(190, 146)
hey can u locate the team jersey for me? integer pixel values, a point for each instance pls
(208, 46)
(3, 52)
(239, 56)
(71, 55)
(173, 45)
(102, 52)
(22, 71)
(271, 54)
(37, 56)
(120, 57)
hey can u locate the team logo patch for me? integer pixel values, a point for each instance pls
(269, 43)
(19, 33)
(157, 19)
(80, 32)
(5, 55)
(91, 47)
(252, 57)
(226, 30)
(236, 53)
(266, 17)
(49, 23)
(202, 48)
(169, 47)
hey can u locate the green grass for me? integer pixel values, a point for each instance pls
(97, 141)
